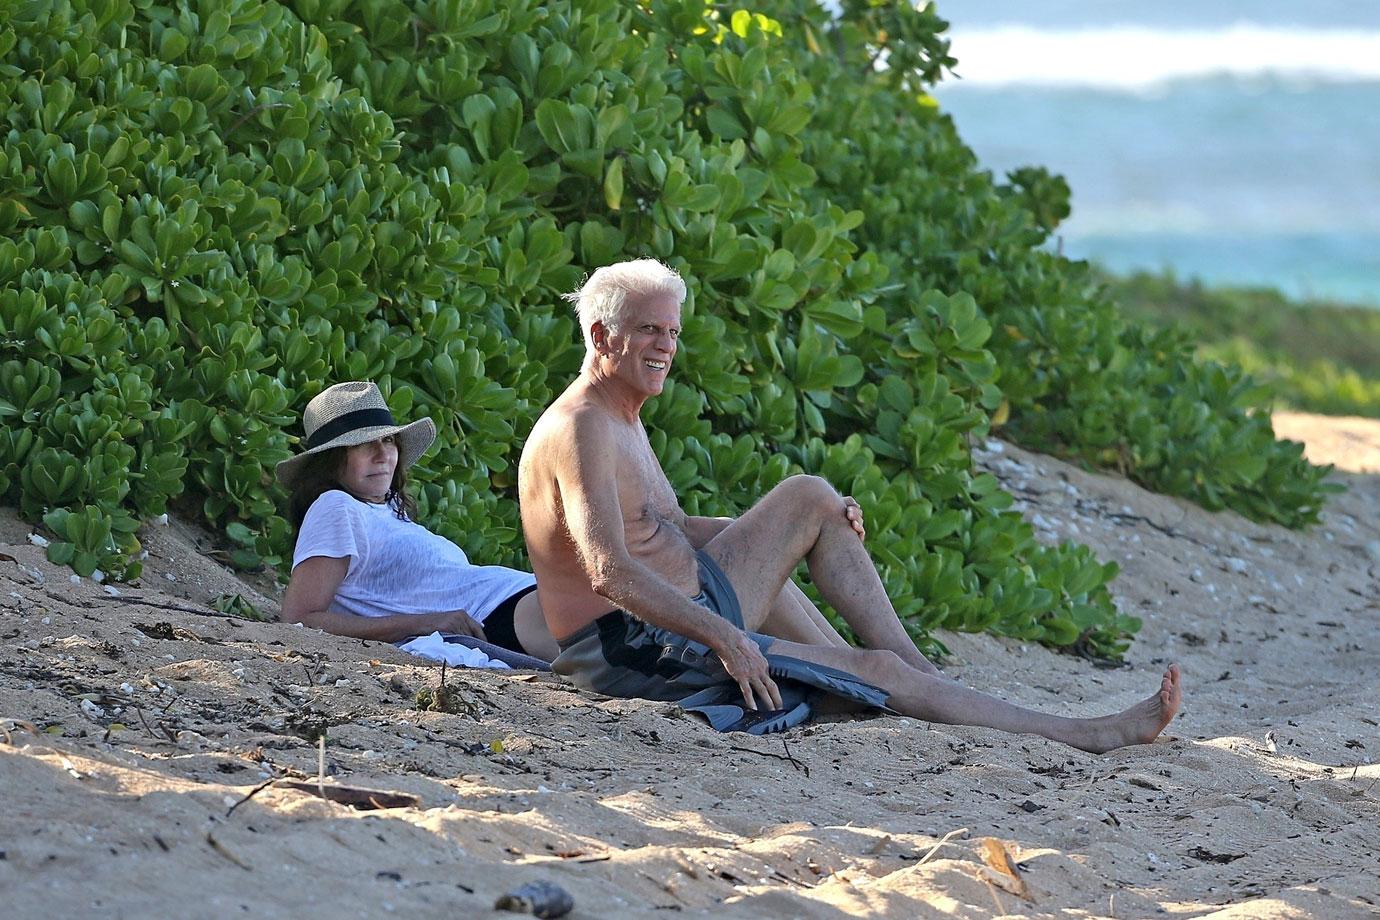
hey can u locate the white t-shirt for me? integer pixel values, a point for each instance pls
(398, 566)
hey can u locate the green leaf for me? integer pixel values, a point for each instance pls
(586, 162)
(613, 184)
(478, 114)
(61, 552)
(557, 124)
(724, 124)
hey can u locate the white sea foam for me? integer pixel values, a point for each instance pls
(1137, 58)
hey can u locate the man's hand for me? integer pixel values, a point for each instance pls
(458, 622)
(853, 512)
(746, 664)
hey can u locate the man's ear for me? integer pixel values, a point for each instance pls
(599, 332)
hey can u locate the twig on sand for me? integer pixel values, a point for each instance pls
(791, 757)
(220, 848)
(1001, 911)
(145, 722)
(788, 757)
(144, 600)
(945, 839)
(354, 796)
(168, 733)
(249, 795)
(787, 879)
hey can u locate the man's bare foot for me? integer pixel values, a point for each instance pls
(1140, 724)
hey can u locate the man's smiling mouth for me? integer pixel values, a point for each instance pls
(656, 365)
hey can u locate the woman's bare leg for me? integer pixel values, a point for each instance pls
(530, 627)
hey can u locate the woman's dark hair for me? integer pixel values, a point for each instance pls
(320, 473)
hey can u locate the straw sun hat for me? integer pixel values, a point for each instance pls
(354, 413)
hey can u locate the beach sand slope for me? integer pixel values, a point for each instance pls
(145, 737)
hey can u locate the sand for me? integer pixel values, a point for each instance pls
(137, 722)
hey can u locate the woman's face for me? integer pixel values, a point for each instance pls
(367, 470)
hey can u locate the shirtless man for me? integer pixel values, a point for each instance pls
(621, 568)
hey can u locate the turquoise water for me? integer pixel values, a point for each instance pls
(1252, 182)
(1339, 267)
(1210, 139)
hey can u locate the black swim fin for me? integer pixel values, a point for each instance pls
(722, 705)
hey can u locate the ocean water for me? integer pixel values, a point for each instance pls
(1230, 141)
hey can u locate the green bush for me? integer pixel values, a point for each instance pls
(213, 209)
(1315, 356)
(1081, 382)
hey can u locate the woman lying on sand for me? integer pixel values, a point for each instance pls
(361, 566)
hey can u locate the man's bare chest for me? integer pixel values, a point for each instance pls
(645, 494)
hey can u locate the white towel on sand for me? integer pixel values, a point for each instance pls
(459, 656)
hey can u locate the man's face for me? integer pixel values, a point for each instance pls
(643, 342)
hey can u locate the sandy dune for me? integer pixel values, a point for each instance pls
(137, 721)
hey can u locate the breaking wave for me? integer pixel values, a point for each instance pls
(1136, 58)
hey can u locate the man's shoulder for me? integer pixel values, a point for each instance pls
(571, 417)
(569, 439)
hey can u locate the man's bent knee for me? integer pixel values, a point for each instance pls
(812, 492)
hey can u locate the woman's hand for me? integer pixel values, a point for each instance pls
(458, 622)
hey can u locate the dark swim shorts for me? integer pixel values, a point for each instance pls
(620, 655)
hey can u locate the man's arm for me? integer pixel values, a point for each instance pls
(586, 476)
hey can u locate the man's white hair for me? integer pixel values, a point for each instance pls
(604, 297)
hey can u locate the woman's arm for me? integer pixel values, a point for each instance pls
(312, 588)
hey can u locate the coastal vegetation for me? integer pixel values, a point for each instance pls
(1316, 356)
(211, 209)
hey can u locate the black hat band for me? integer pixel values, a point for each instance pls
(350, 421)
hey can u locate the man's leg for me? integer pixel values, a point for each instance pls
(938, 699)
(802, 518)
(794, 617)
